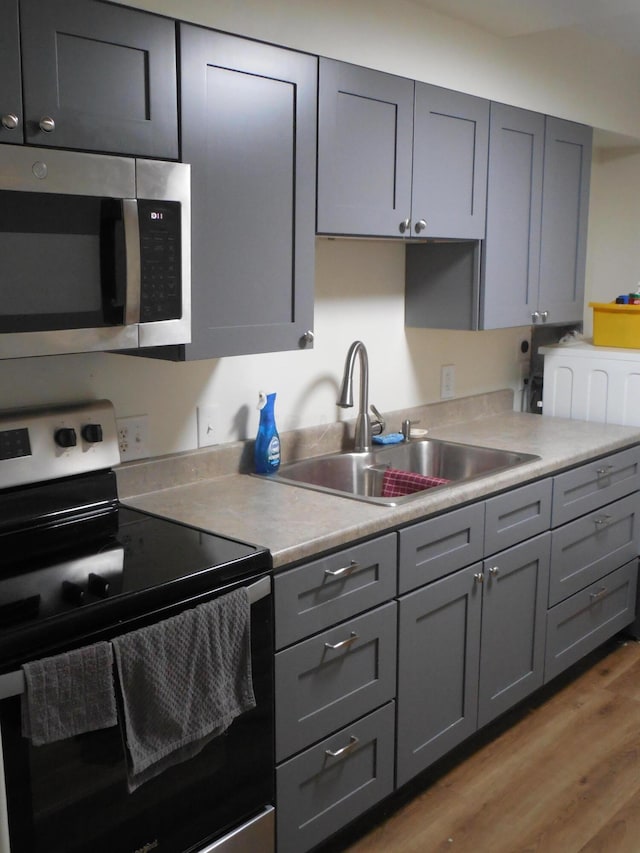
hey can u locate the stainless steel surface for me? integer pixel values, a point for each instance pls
(255, 836)
(359, 475)
(378, 424)
(357, 350)
(46, 459)
(66, 172)
(10, 121)
(131, 224)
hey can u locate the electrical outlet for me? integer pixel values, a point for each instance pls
(133, 437)
(447, 381)
(208, 424)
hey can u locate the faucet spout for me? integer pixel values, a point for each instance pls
(345, 401)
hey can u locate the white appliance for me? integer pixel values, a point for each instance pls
(589, 383)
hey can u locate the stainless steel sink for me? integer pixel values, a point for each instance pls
(360, 475)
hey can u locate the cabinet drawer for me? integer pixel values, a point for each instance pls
(324, 788)
(323, 592)
(592, 546)
(517, 515)
(581, 623)
(590, 486)
(439, 546)
(334, 677)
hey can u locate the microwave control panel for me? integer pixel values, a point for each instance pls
(160, 261)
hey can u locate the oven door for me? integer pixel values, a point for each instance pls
(71, 796)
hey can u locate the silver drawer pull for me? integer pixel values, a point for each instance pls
(337, 753)
(604, 521)
(596, 596)
(602, 472)
(343, 643)
(344, 571)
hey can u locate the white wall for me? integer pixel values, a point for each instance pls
(359, 285)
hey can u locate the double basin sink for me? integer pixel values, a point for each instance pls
(361, 475)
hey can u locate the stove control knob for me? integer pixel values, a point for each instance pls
(98, 585)
(72, 592)
(65, 437)
(92, 433)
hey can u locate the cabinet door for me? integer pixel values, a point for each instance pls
(438, 651)
(248, 130)
(513, 626)
(514, 203)
(450, 149)
(565, 207)
(365, 127)
(104, 74)
(10, 80)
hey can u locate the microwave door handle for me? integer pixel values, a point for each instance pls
(132, 252)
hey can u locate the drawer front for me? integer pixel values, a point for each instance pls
(324, 682)
(517, 515)
(595, 484)
(435, 548)
(319, 594)
(323, 789)
(592, 546)
(581, 623)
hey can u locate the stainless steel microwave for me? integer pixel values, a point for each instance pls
(95, 252)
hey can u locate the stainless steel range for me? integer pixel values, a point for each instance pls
(78, 570)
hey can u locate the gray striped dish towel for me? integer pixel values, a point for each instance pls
(69, 694)
(183, 681)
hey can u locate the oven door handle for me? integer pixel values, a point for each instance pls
(12, 684)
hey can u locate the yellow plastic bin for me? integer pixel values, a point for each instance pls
(616, 325)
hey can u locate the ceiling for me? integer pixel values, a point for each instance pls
(617, 21)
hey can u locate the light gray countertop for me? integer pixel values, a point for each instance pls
(297, 523)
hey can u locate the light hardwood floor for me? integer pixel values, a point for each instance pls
(560, 774)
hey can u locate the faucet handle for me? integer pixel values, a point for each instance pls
(378, 425)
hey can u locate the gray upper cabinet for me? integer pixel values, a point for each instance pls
(565, 209)
(249, 133)
(514, 207)
(95, 77)
(538, 199)
(10, 81)
(365, 128)
(450, 143)
(398, 159)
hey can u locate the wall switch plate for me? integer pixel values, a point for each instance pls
(133, 437)
(447, 381)
(208, 424)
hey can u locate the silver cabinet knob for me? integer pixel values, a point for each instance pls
(404, 226)
(307, 338)
(535, 316)
(420, 225)
(478, 577)
(544, 315)
(10, 121)
(47, 124)
(494, 570)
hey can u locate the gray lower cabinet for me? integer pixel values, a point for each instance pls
(438, 665)
(95, 76)
(248, 115)
(328, 785)
(398, 158)
(514, 601)
(10, 76)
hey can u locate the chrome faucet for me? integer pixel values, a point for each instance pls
(364, 428)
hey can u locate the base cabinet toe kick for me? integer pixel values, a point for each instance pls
(391, 652)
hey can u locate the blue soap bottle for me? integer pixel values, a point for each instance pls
(267, 446)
